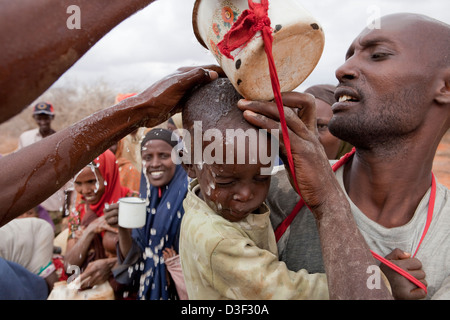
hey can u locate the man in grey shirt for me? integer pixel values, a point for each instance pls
(394, 107)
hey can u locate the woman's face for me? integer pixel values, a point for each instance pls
(157, 161)
(90, 184)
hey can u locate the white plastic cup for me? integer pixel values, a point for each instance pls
(132, 212)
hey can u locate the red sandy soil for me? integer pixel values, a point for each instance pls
(441, 165)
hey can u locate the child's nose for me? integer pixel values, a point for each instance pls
(244, 194)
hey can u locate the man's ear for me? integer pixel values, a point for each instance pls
(443, 95)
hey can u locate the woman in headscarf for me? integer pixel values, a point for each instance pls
(142, 252)
(334, 147)
(92, 241)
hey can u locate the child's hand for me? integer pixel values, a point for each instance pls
(169, 253)
(402, 288)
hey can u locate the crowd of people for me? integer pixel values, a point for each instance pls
(362, 155)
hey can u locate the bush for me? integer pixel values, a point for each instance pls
(71, 104)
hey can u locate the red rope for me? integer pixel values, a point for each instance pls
(281, 229)
(250, 21)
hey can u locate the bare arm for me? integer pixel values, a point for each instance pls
(35, 172)
(346, 255)
(38, 47)
(77, 248)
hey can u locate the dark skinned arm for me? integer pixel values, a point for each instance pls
(38, 47)
(37, 171)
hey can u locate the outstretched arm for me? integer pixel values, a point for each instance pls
(35, 172)
(346, 255)
(38, 47)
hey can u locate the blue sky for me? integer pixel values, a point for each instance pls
(157, 40)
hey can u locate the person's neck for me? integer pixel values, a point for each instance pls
(388, 186)
(46, 133)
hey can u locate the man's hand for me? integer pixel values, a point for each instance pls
(312, 169)
(163, 98)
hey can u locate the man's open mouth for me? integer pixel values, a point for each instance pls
(347, 98)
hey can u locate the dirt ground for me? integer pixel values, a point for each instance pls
(441, 165)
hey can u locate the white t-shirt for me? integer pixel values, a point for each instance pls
(434, 252)
(300, 248)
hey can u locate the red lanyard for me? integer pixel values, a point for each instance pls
(285, 224)
(256, 18)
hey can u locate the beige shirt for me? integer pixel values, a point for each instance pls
(237, 260)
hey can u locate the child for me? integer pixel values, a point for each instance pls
(227, 244)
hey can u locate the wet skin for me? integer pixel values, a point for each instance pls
(90, 184)
(234, 190)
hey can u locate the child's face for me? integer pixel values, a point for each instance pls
(233, 190)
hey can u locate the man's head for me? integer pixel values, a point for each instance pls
(395, 83)
(44, 114)
(229, 166)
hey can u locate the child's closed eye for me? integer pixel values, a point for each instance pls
(224, 183)
(261, 178)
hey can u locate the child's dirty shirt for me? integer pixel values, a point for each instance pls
(237, 260)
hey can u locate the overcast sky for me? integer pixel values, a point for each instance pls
(157, 40)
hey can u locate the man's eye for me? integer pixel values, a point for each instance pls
(379, 55)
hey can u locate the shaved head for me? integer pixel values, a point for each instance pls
(430, 37)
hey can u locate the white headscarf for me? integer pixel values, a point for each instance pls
(28, 242)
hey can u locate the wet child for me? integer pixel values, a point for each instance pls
(227, 244)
